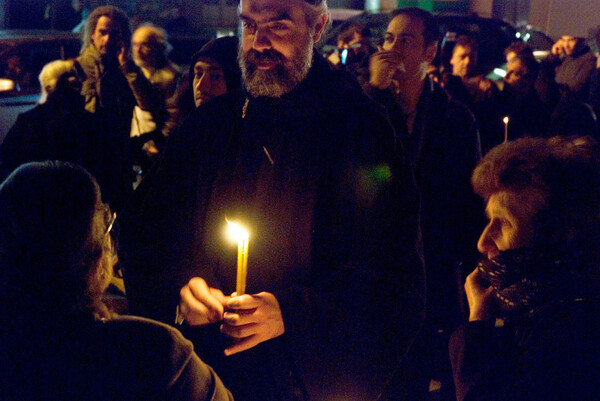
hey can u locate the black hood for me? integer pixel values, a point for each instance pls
(224, 51)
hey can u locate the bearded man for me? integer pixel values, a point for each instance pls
(302, 159)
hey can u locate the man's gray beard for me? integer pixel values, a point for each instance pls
(280, 80)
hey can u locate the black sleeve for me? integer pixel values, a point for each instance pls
(363, 313)
(480, 356)
(157, 245)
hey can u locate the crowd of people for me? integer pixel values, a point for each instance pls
(363, 182)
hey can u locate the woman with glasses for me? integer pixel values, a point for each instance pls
(58, 339)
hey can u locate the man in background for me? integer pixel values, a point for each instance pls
(442, 143)
(214, 69)
(113, 85)
(149, 50)
(575, 62)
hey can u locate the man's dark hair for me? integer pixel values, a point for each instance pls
(117, 15)
(466, 41)
(349, 28)
(530, 64)
(519, 48)
(431, 31)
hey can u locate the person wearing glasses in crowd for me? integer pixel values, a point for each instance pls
(59, 341)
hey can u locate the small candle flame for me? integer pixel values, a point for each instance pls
(505, 119)
(237, 232)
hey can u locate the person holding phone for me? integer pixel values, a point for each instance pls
(113, 85)
(574, 62)
(533, 297)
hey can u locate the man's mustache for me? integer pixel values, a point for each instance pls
(267, 56)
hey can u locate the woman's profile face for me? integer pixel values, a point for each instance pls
(509, 225)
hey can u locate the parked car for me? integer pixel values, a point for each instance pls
(23, 53)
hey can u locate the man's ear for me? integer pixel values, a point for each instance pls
(320, 27)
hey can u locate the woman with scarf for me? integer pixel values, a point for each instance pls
(534, 303)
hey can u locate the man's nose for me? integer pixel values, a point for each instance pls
(203, 84)
(261, 39)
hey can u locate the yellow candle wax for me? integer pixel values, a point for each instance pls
(241, 236)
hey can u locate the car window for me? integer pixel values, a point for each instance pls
(22, 59)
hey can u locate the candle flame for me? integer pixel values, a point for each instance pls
(505, 119)
(237, 232)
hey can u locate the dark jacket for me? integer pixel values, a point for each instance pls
(126, 358)
(111, 92)
(554, 355)
(574, 71)
(61, 129)
(318, 177)
(528, 117)
(444, 148)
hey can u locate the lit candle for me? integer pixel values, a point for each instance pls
(505, 119)
(241, 236)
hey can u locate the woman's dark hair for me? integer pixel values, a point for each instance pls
(51, 240)
(560, 176)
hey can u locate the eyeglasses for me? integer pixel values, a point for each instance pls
(109, 219)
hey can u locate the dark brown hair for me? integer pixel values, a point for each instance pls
(561, 175)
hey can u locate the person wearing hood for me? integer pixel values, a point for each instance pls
(214, 70)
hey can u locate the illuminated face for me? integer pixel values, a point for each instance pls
(462, 61)
(209, 81)
(107, 37)
(144, 48)
(509, 226)
(405, 36)
(516, 77)
(276, 47)
(569, 44)
(510, 55)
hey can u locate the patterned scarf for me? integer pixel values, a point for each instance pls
(526, 281)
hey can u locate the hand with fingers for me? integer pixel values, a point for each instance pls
(201, 304)
(558, 48)
(480, 296)
(383, 65)
(251, 320)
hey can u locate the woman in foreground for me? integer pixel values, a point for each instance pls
(534, 303)
(58, 340)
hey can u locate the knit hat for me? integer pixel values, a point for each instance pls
(223, 51)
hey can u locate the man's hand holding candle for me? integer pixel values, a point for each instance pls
(252, 319)
(200, 304)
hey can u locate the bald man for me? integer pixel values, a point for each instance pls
(149, 48)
